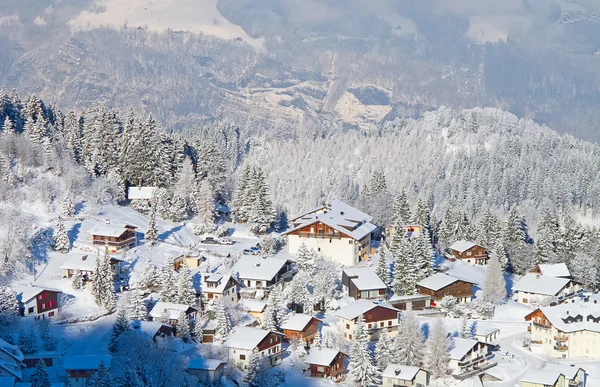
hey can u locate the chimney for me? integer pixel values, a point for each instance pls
(397, 371)
(567, 312)
(257, 264)
(537, 276)
(83, 257)
(107, 221)
(595, 301)
(30, 284)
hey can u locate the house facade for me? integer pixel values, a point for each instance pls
(467, 251)
(574, 376)
(80, 369)
(326, 363)
(486, 335)
(117, 238)
(541, 378)
(413, 302)
(168, 312)
(469, 356)
(363, 283)
(244, 340)
(221, 287)
(533, 288)
(396, 375)
(337, 230)
(301, 327)
(256, 272)
(569, 330)
(210, 370)
(11, 361)
(440, 285)
(86, 264)
(39, 302)
(552, 270)
(377, 318)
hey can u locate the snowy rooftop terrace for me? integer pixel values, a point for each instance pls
(366, 279)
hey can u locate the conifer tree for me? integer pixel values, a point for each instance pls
(183, 327)
(362, 370)
(401, 211)
(149, 278)
(198, 330)
(136, 309)
(120, 326)
(8, 127)
(60, 237)
(305, 258)
(384, 350)
(178, 208)
(40, 377)
(317, 340)
(67, 207)
(9, 305)
(223, 327)
(488, 230)
(28, 341)
(103, 287)
(101, 378)
(186, 294)
(405, 266)
(424, 255)
(204, 207)
(438, 346)
(274, 314)
(548, 237)
(168, 289)
(152, 232)
(422, 216)
(494, 286)
(409, 346)
(383, 269)
(240, 198)
(251, 378)
(465, 330)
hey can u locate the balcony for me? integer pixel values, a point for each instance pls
(540, 325)
(475, 360)
(125, 242)
(561, 348)
(319, 235)
(561, 338)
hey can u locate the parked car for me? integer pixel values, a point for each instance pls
(225, 241)
(255, 249)
(250, 252)
(209, 241)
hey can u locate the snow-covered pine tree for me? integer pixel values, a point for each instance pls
(40, 377)
(251, 377)
(494, 286)
(8, 127)
(186, 294)
(405, 266)
(274, 314)
(422, 216)
(149, 278)
(571, 239)
(383, 268)
(49, 341)
(317, 340)
(401, 211)
(547, 237)
(9, 305)
(204, 207)
(198, 329)
(515, 229)
(152, 232)
(438, 346)
(120, 326)
(60, 237)
(136, 309)
(223, 327)
(362, 370)
(302, 255)
(465, 330)
(211, 167)
(409, 346)
(488, 230)
(384, 350)
(67, 207)
(424, 255)
(241, 203)
(28, 340)
(447, 230)
(186, 179)
(109, 300)
(101, 378)
(183, 327)
(97, 281)
(178, 209)
(168, 289)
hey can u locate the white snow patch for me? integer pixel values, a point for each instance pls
(8, 19)
(39, 21)
(196, 16)
(352, 111)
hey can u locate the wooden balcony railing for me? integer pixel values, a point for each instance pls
(561, 338)
(319, 235)
(545, 326)
(561, 348)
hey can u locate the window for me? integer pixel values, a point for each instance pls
(258, 283)
(30, 310)
(41, 296)
(242, 357)
(320, 369)
(347, 326)
(389, 323)
(50, 314)
(350, 337)
(44, 305)
(318, 249)
(370, 326)
(350, 242)
(381, 324)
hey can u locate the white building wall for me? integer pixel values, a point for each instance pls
(343, 251)
(234, 355)
(347, 327)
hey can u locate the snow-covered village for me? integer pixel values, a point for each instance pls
(132, 257)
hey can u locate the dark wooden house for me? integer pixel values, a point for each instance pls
(439, 285)
(363, 283)
(115, 237)
(301, 327)
(327, 363)
(468, 252)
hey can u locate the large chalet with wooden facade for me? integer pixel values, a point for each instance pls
(301, 327)
(377, 318)
(469, 357)
(326, 363)
(567, 330)
(467, 251)
(439, 285)
(116, 237)
(363, 283)
(39, 302)
(244, 340)
(337, 230)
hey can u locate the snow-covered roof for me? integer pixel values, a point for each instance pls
(570, 371)
(28, 292)
(12, 368)
(140, 193)
(358, 307)
(150, 328)
(255, 267)
(199, 363)
(173, 310)
(561, 315)
(221, 279)
(12, 350)
(297, 322)
(540, 284)
(555, 269)
(461, 347)
(339, 216)
(366, 279)
(485, 330)
(85, 362)
(400, 372)
(75, 261)
(255, 306)
(462, 246)
(246, 338)
(321, 357)
(414, 297)
(541, 377)
(108, 230)
(438, 281)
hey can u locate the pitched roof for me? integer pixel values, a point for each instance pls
(461, 246)
(366, 279)
(561, 316)
(555, 270)
(12, 368)
(12, 350)
(253, 305)
(413, 297)
(75, 261)
(140, 192)
(151, 328)
(484, 330)
(221, 279)
(570, 371)
(107, 230)
(297, 322)
(255, 267)
(246, 337)
(199, 363)
(85, 362)
(461, 347)
(29, 292)
(438, 281)
(400, 372)
(321, 357)
(173, 310)
(540, 284)
(358, 307)
(541, 377)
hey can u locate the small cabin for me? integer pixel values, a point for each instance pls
(467, 251)
(363, 283)
(396, 375)
(39, 302)
(115, 237)
(439, 285)
(413, 302)
(191, 260)
(86, 264)
(81, 368)
(301, 327)
(327, 363)
(210, 370)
